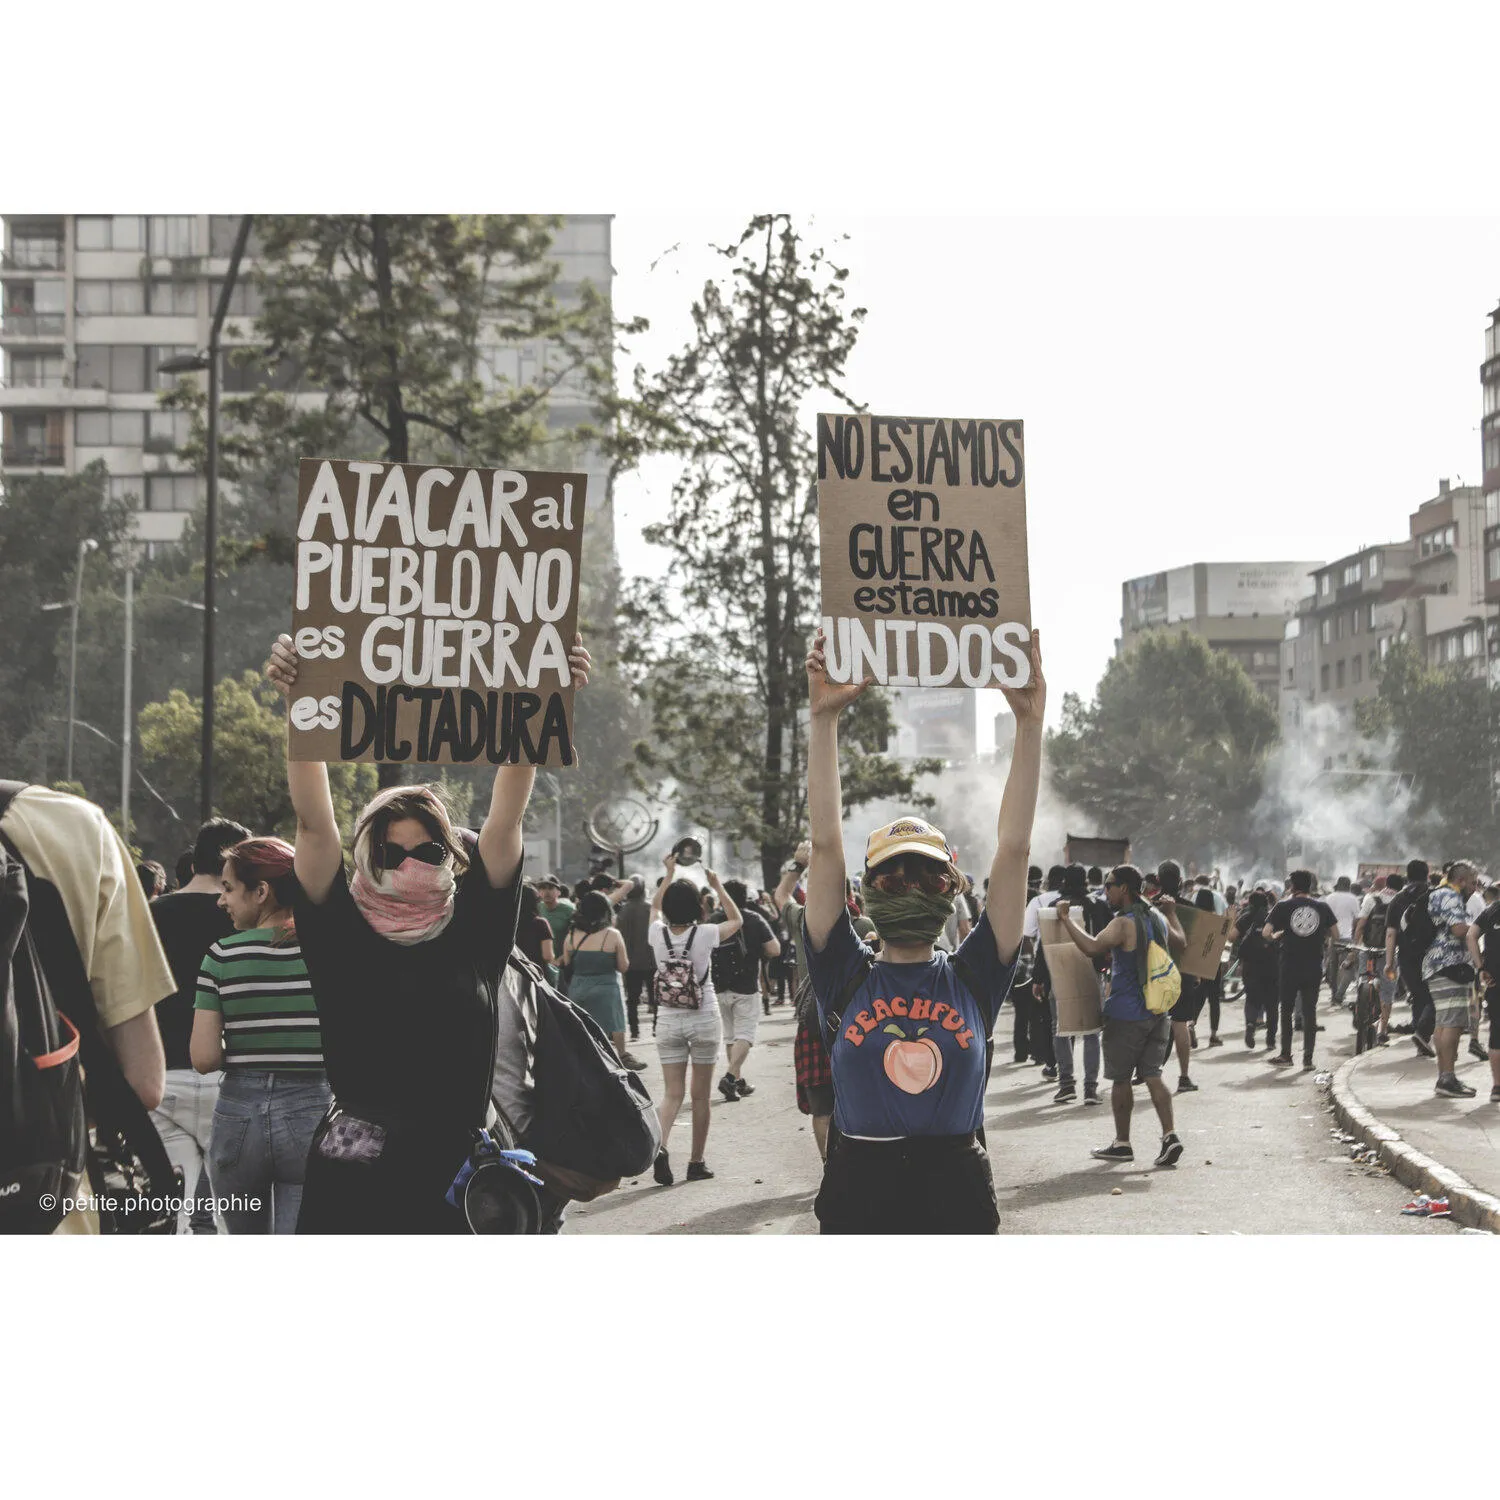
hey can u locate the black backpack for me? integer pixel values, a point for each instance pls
(593, 1121)
(736, 970)
(43, 1133)
(47, 1148)
(1417, 931)
(1375, 925)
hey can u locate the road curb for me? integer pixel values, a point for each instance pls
(1468, 1205)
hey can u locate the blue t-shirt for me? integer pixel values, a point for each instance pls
(1125, 1001)
(909, 1057)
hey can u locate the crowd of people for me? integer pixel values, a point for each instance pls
(318, 1041)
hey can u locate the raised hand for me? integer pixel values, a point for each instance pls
(281, 669)
(827, 698)
(579, 661)
(1029, 703)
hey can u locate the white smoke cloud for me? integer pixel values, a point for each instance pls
(1320, 812)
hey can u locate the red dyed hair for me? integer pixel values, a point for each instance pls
(270, 860)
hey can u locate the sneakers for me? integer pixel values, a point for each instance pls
(1250, 1036)
(743, 1088)
(661, 1170)
(1452, 1087)
(1091, 1093)
(1112, 1152)
(1050, 1073)
(1216, 1041)
(1495, 1094)
(1185, 1085)
(698, 1171)
(730, 1090)
(1425, 1048)
(1171, 1149)
(1066, 1094)
(1475, 1050)
(632, 1062)
(1281, 1060)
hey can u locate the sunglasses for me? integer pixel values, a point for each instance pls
(392, 856)
(935, 882)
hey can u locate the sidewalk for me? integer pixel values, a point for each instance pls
(1447, 1148)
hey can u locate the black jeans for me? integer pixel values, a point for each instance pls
(1261, 1005)
(919, 1185)
(635, 981)
(1033, 1030)
(1294, 990)
(1423, 1015)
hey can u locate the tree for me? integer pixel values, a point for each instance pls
(718, 645)
(395, 321)
(1443, 723)
(250, 756)
(1171, 751)
(42, 520)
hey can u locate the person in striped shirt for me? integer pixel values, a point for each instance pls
(255, 1017)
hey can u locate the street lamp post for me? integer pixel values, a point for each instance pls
(84, 548)
(208, 360)
(126, 734)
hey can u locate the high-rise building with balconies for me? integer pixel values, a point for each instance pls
(93, 305)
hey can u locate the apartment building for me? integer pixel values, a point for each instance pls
(92, 307)
(1238, 607)
(1427, 589)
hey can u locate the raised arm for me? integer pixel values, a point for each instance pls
(1176, 937)
(825, 795)
(1007, 897)
(733, 919)
(791, 875)
(1113, 935)
(500, 833)
(661, 890)
(319, 850)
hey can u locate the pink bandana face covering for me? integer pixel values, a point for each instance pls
(410, 904)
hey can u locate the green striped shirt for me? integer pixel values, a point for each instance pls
(261, 989)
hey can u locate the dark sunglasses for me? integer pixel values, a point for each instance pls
(392, 856)
(934, 882)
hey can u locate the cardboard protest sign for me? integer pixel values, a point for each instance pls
(923, 528)
(1206, 934)
(433, 613)
(1075, 980)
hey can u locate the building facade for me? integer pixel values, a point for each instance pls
(1489, 437)
(92, 306)
(1239, 608)
(1428, 589)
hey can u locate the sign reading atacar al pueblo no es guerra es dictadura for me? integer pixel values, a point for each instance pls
(433, 613)
(922, 523)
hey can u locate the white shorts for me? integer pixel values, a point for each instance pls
(684, 1033)
(741, 1015)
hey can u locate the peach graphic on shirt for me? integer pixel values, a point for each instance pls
(914, 1066)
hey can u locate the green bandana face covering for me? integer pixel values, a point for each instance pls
(911, 918)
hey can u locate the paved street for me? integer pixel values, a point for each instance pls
(1259, 1158)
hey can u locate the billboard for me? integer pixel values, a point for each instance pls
(941, 722)
(1159, 599)
(1257, 588)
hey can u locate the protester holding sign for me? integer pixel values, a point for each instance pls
(908, 1032)
(405, 960)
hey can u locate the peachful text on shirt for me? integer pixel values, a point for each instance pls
(925, 578)
(433, 613)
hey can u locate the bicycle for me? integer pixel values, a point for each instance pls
(1366, 1010)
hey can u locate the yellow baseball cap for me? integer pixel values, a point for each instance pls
(907, 836)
